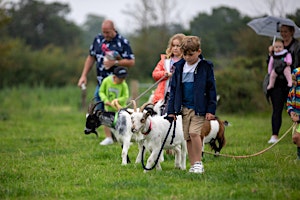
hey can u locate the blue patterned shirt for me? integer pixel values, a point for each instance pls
(119, 44)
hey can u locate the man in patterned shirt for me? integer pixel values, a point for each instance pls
(112, 41)
(115, 42)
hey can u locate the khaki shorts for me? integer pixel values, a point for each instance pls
(191, 123)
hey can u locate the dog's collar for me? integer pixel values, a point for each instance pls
(149, 129)
(115, 119)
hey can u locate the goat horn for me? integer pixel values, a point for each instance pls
(134, 105)
(90, 108)
(144, 105)
(93, 106)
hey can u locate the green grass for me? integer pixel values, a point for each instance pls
(44, 154)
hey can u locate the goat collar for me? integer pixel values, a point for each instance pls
(149, 129)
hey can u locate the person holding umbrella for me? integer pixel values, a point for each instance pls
(278, 94)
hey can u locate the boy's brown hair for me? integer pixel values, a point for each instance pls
(190, 44)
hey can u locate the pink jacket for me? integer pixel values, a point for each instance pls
(159, 71)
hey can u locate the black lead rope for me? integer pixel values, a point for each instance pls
(173, 136)
(162, 147)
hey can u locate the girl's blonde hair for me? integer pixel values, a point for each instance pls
(179, 37)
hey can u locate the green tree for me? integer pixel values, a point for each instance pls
(40, 24)
(217, 31)
(4, 19)
(155, 26)
(295, 17)
(91, 27)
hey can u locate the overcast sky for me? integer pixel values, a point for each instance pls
(112, 9)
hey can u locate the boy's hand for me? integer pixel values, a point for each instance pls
(170, 118)
(115, 104)
(108, 103)
(209, 116)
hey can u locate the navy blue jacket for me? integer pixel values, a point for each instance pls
(205, 95)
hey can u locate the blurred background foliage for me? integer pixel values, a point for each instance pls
(39, 46)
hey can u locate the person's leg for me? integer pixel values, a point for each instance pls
(96, 94)
(108, 137)
(278, 99)
(195, 148)
(186, 122)
(196, 143)
(97, 99)
(189, 150)
(296, 140)
(288, 76)
(273, 77)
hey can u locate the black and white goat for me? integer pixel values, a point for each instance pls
(119, 123)
(154, 130)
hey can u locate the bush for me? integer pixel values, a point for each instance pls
(51, 66)
(240, 86)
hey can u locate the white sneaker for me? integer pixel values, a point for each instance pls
(273, 140)
(198, 168)
(191, 170)
(107, 141)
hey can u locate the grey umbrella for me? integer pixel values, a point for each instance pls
(269, 26)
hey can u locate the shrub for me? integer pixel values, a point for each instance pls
(240, 86)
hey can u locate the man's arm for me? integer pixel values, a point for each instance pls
(123, 62)
(89, 62)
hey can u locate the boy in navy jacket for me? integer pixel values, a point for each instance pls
(193, 94)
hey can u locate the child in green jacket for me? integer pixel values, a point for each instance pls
(113, 90)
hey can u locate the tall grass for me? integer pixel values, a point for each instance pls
(45, 155)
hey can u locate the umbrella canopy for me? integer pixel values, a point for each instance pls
(269, 26)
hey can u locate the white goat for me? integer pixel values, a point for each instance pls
(212, 132)
(154, 129)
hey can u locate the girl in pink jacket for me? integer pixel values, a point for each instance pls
(165, 68)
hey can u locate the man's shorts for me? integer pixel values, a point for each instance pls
(191, 123)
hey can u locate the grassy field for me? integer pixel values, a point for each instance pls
(45, 155)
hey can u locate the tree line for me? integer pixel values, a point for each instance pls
(40, 46)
